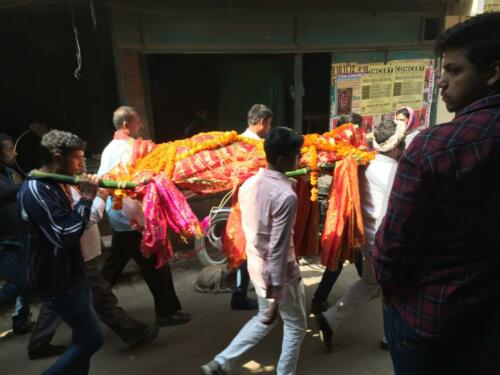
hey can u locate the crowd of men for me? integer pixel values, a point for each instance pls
(429, 204)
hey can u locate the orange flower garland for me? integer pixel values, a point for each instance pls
(337, 142)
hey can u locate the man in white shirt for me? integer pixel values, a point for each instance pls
(259, 120)
(268, 205)
(375, 186)
(126, 242)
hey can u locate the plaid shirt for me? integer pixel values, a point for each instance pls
(437, 254)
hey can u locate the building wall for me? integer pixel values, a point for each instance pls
(38, 60)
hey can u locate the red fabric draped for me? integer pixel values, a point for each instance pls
(305, 230)
(344, 232)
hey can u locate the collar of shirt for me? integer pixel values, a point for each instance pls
(489, 101)
(275, 175)
(250, 134)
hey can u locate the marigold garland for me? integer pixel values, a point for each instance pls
(165, 156)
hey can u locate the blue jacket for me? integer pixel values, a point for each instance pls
(52, 238)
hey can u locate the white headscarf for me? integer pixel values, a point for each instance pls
(393, 140)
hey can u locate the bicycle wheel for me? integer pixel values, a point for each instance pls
(209, 246)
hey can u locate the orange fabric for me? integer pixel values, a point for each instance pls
(233, 238)
(344, 232)
(305, 231)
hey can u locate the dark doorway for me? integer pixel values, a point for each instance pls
(316, 100)
(219, 89)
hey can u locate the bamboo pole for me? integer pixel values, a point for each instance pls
(73, 180)
(127, 185)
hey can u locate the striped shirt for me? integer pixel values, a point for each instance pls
(437, 251)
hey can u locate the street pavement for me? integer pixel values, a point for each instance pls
(182, 349)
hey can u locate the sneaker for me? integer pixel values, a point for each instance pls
(243, 303)
(46, 350)
(325, 332)
(174, 319)
(150, 335)
(212, 368)
(319, 307)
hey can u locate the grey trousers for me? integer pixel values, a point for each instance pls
(105, 305)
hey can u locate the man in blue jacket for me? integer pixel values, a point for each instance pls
(55, 263)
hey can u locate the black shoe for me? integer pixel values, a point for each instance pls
(150, 335)
(243, 303)
(174, 319)
(212, 368)
(24, 328)
(383, 346)
(319, 307)
(325, 332)
(46, 350)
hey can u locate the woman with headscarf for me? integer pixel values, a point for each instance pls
(407, 115)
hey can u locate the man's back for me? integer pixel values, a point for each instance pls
(446, 236)
(264, 198)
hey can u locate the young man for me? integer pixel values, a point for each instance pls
(375, 185)
(268, 205)
(126, 242)
(12, 256)
(131, 331)
(436, 253)
(259, 121)
(53, 229)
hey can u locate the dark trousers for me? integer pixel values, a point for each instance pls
(13, 270)
(470, 351)
(76, 310)
(106, 307)
(242, 280)
(126, 245)
(329, 278)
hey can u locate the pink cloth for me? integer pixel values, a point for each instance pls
(268, 206)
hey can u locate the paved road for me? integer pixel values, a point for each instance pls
(181, 350)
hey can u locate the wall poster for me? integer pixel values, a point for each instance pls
(377, 90)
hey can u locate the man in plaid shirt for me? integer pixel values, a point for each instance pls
(437, 254)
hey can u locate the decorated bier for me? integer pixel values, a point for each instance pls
(221, 161)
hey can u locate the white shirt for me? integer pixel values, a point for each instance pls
(250, 134)
(375, 186)
(118, 150)
(268, 206)
(90, 241)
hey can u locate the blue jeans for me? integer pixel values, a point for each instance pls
(466, 352)
(76, 309)
(13, 270)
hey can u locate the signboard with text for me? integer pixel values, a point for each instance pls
(377, 90)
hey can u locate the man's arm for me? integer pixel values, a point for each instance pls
(395, 255)
(8, 192)
(61, 226)
(274, 271)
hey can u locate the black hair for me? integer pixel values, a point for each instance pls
(353, 118)
(282, 141)
(384, 130)
(404, 112)
(59, 142)
(3, 138)
(478, 38)
(258, 112)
